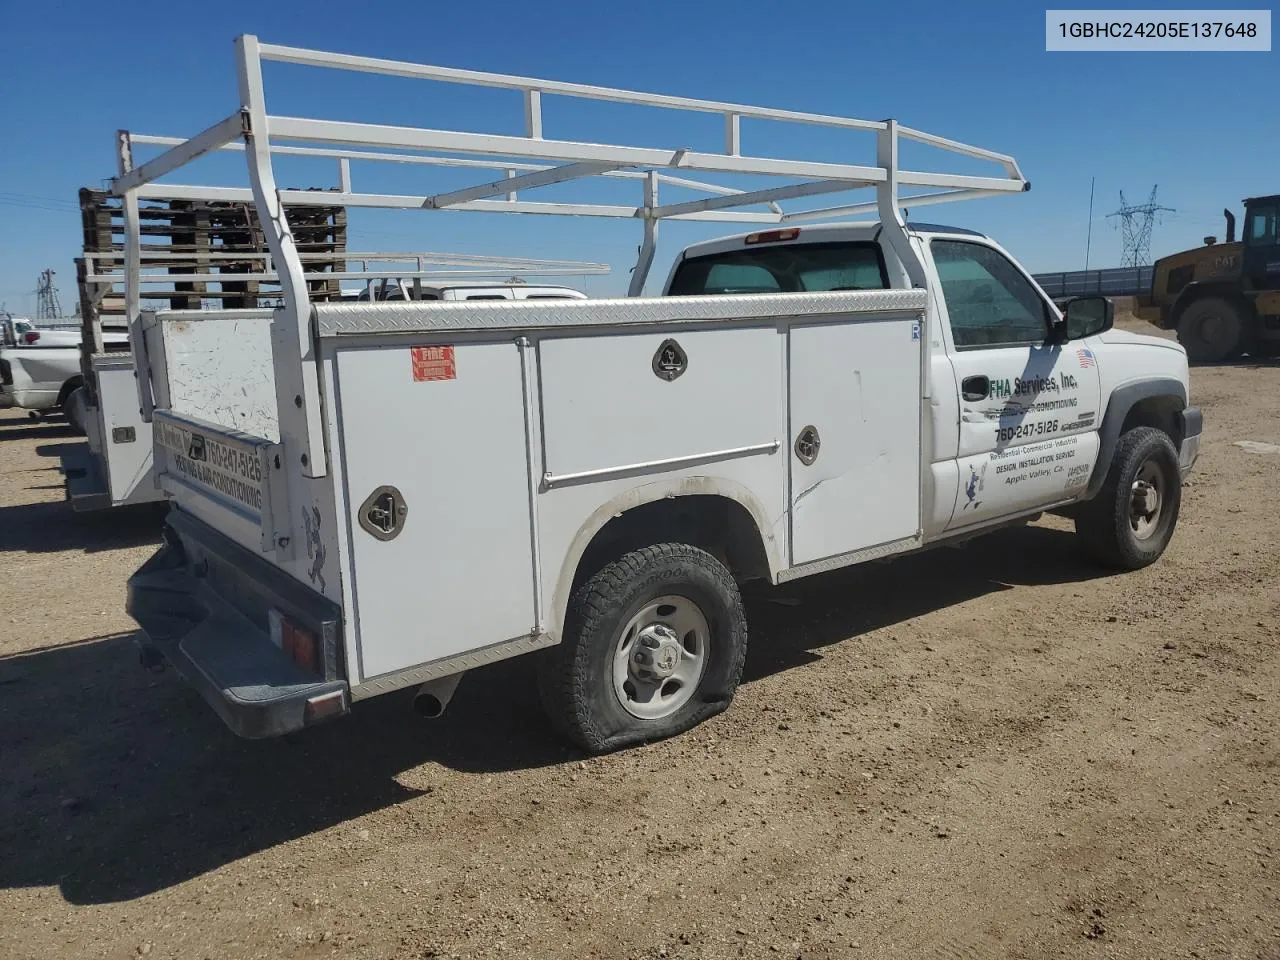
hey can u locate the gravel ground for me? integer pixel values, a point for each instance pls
(996, 751)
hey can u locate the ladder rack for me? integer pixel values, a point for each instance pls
(527, 161)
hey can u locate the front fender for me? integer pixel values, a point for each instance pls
(1121, 402)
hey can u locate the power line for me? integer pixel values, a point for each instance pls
(32, 196)
(1136, 220)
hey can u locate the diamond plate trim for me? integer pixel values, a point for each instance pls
(450, 665)
(349, 319)
(848, 559)
(112, 361)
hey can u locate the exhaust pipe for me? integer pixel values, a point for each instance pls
(434, 695)
(1231, 225)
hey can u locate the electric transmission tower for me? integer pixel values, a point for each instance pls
(1136, 220)
(47, 305)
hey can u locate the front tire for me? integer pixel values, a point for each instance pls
(653, 645)
(1212, 330)
(1131, 520)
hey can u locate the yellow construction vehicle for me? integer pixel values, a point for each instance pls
(1223, 298)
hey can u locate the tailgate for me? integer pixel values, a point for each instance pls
(229, 479)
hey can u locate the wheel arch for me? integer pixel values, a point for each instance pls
(73, 383)
(720, 516)
(1155, 402)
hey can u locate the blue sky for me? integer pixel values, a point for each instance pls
(1196, 124)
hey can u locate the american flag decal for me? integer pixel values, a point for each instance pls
(1086, 357)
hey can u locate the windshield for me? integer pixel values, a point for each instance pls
(794, 268)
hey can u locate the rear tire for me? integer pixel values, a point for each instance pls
(73, 408)
(653, 645)
(1131, 520)
(1212, 330)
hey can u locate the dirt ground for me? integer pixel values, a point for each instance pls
(997, 751)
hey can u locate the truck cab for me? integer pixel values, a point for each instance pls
(1027, 402)
(1261, 236)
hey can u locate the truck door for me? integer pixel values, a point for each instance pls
(1029, 410)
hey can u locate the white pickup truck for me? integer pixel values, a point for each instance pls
(593, 479)
(40, 365)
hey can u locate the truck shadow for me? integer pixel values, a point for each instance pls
(53, 526)
(120, 782)
(51, 429)
(1244, 363)
(789, 623)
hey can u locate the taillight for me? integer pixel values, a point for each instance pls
(30, 337)
(773, 236)
(298, 643)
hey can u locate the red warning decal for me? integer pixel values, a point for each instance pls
(432, 363)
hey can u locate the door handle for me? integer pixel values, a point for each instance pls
(976, 388)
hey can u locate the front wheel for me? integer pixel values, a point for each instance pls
(653, 645)
(1131, 520)
(1212, 330)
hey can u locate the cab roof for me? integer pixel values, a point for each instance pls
(824, 233)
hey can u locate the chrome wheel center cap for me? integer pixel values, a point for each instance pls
(657, 654)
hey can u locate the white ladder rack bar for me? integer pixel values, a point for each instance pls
(919, 200)
(160, 257)
(316, 198)
(528, 161)
(419, 159)
(540, 178)
(417, 138)
(476, 78)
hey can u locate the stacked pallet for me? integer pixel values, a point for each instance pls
(217, 239)
(189, 231)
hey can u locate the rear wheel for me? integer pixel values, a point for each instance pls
(653, 645)
(1212, 330)
(1131, 520)
(73, 408)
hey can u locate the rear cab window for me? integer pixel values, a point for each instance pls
(793, 268)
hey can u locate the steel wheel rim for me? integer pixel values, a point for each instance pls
(1146, 503)
(1213, 330)
(660, 657)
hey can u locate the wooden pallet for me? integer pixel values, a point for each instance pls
(195, 229)
(202, 227)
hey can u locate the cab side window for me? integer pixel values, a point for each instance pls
(989, 301)
(1262, 232)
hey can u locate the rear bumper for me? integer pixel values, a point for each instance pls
(1189, 450)
(223, 648)
(83, 482)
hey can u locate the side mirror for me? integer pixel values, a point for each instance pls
(1084, 317)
